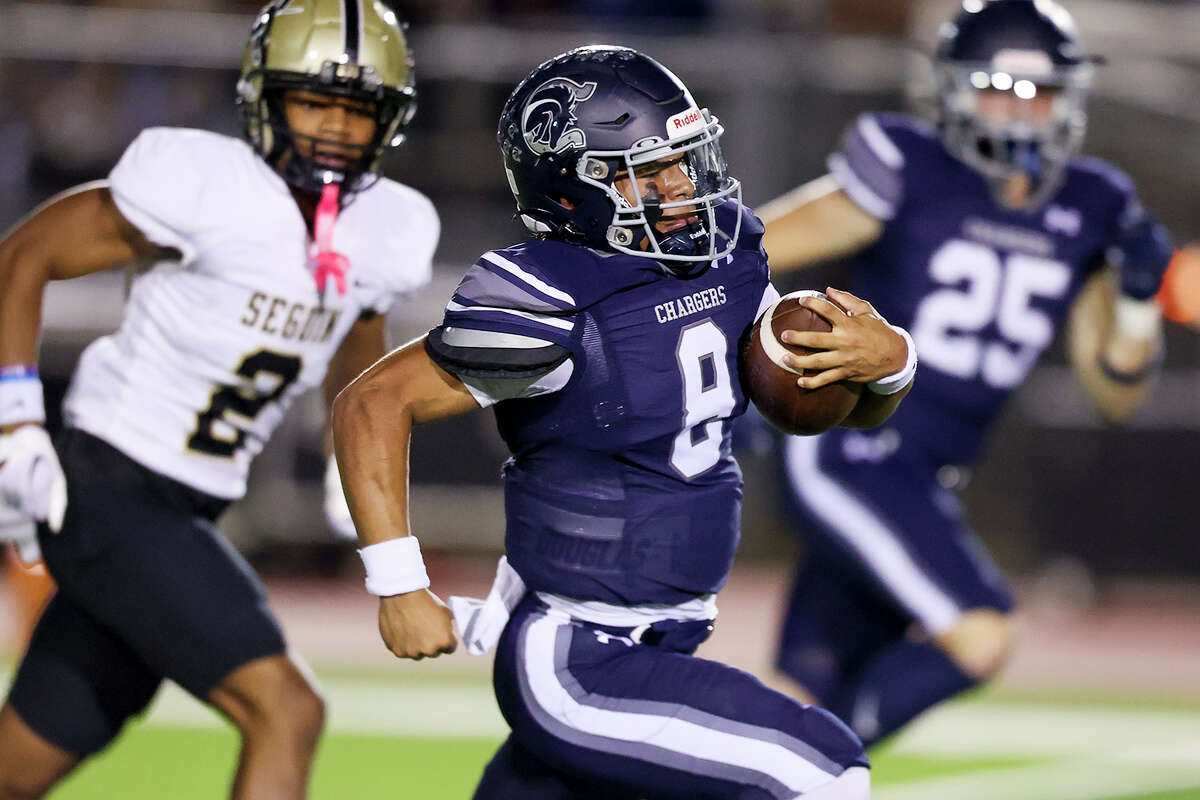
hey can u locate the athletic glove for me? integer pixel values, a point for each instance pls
(337, 511)
(31, 479)
(1141, 254)
(19, 529)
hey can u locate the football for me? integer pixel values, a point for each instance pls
(771, 386)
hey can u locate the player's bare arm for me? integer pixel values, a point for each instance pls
(813, 223)
(75, 234)
(365, 343)
(1116, 325)
(1094, 340)
(372, 424)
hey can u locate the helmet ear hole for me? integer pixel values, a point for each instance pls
(620, 235)
(595, 169)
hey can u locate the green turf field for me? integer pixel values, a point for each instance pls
(430, 740)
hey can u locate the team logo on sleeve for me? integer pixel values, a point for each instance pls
(548, 121)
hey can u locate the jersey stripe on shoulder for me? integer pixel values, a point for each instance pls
(529, 279)
(509, 320)
(858, 190)
(869, 167)
(487, 285)
(879, 142)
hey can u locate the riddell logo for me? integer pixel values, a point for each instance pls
(684, 122)
(688, 118)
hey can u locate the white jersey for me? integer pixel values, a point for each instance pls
(214, 347)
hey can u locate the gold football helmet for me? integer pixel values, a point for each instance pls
(354, 48)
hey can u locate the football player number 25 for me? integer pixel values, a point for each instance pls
(980, 289)
(707, 397)
(267, 376)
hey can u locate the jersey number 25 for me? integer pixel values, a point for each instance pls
(981, 289)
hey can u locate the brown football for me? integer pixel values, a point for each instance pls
(772, 388)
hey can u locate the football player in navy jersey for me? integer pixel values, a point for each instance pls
(256, 280)
(980, 235)
(607, 345)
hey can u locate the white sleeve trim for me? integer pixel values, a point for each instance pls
(770, 296)
(541, 319)
(880, 143)
(858, 191)
(529, 278)
(469, 337)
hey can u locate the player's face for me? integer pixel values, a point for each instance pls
(330, 129)
(662, 181)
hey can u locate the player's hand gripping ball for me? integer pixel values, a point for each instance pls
(771, 385)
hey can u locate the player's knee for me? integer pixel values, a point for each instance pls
(274, 700)
(982, 641)
(853, 784)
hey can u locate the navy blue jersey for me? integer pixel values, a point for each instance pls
(615, 384)
(981, 288)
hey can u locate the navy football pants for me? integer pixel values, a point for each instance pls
(886, 546)
(608, 717)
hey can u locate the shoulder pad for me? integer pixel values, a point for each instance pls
(750, 237)
(486, 354)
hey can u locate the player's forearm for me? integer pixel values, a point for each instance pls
(1116, 347)
(371, 434)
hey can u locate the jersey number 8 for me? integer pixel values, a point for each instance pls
(702, 353)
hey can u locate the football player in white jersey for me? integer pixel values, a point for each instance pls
(266, 267)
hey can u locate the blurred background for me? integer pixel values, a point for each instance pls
(79, 80)
(1098, 527)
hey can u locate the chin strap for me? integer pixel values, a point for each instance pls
(326, 261)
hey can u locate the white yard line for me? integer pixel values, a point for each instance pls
(1100, 753)
(1019, 730)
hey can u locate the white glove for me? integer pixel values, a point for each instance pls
(337, 511)
(480, 622)
(19, 529)
(31, 479)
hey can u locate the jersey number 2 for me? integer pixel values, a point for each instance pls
(707, 397)
(981, 289)
(215, 435)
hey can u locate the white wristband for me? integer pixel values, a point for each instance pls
(1136, 319)
(894, 383)
(394, 567)
(21, 400)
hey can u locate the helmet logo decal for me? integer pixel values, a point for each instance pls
(548, 120)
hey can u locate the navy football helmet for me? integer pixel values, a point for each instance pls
(599, 119)
(1013, 82)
